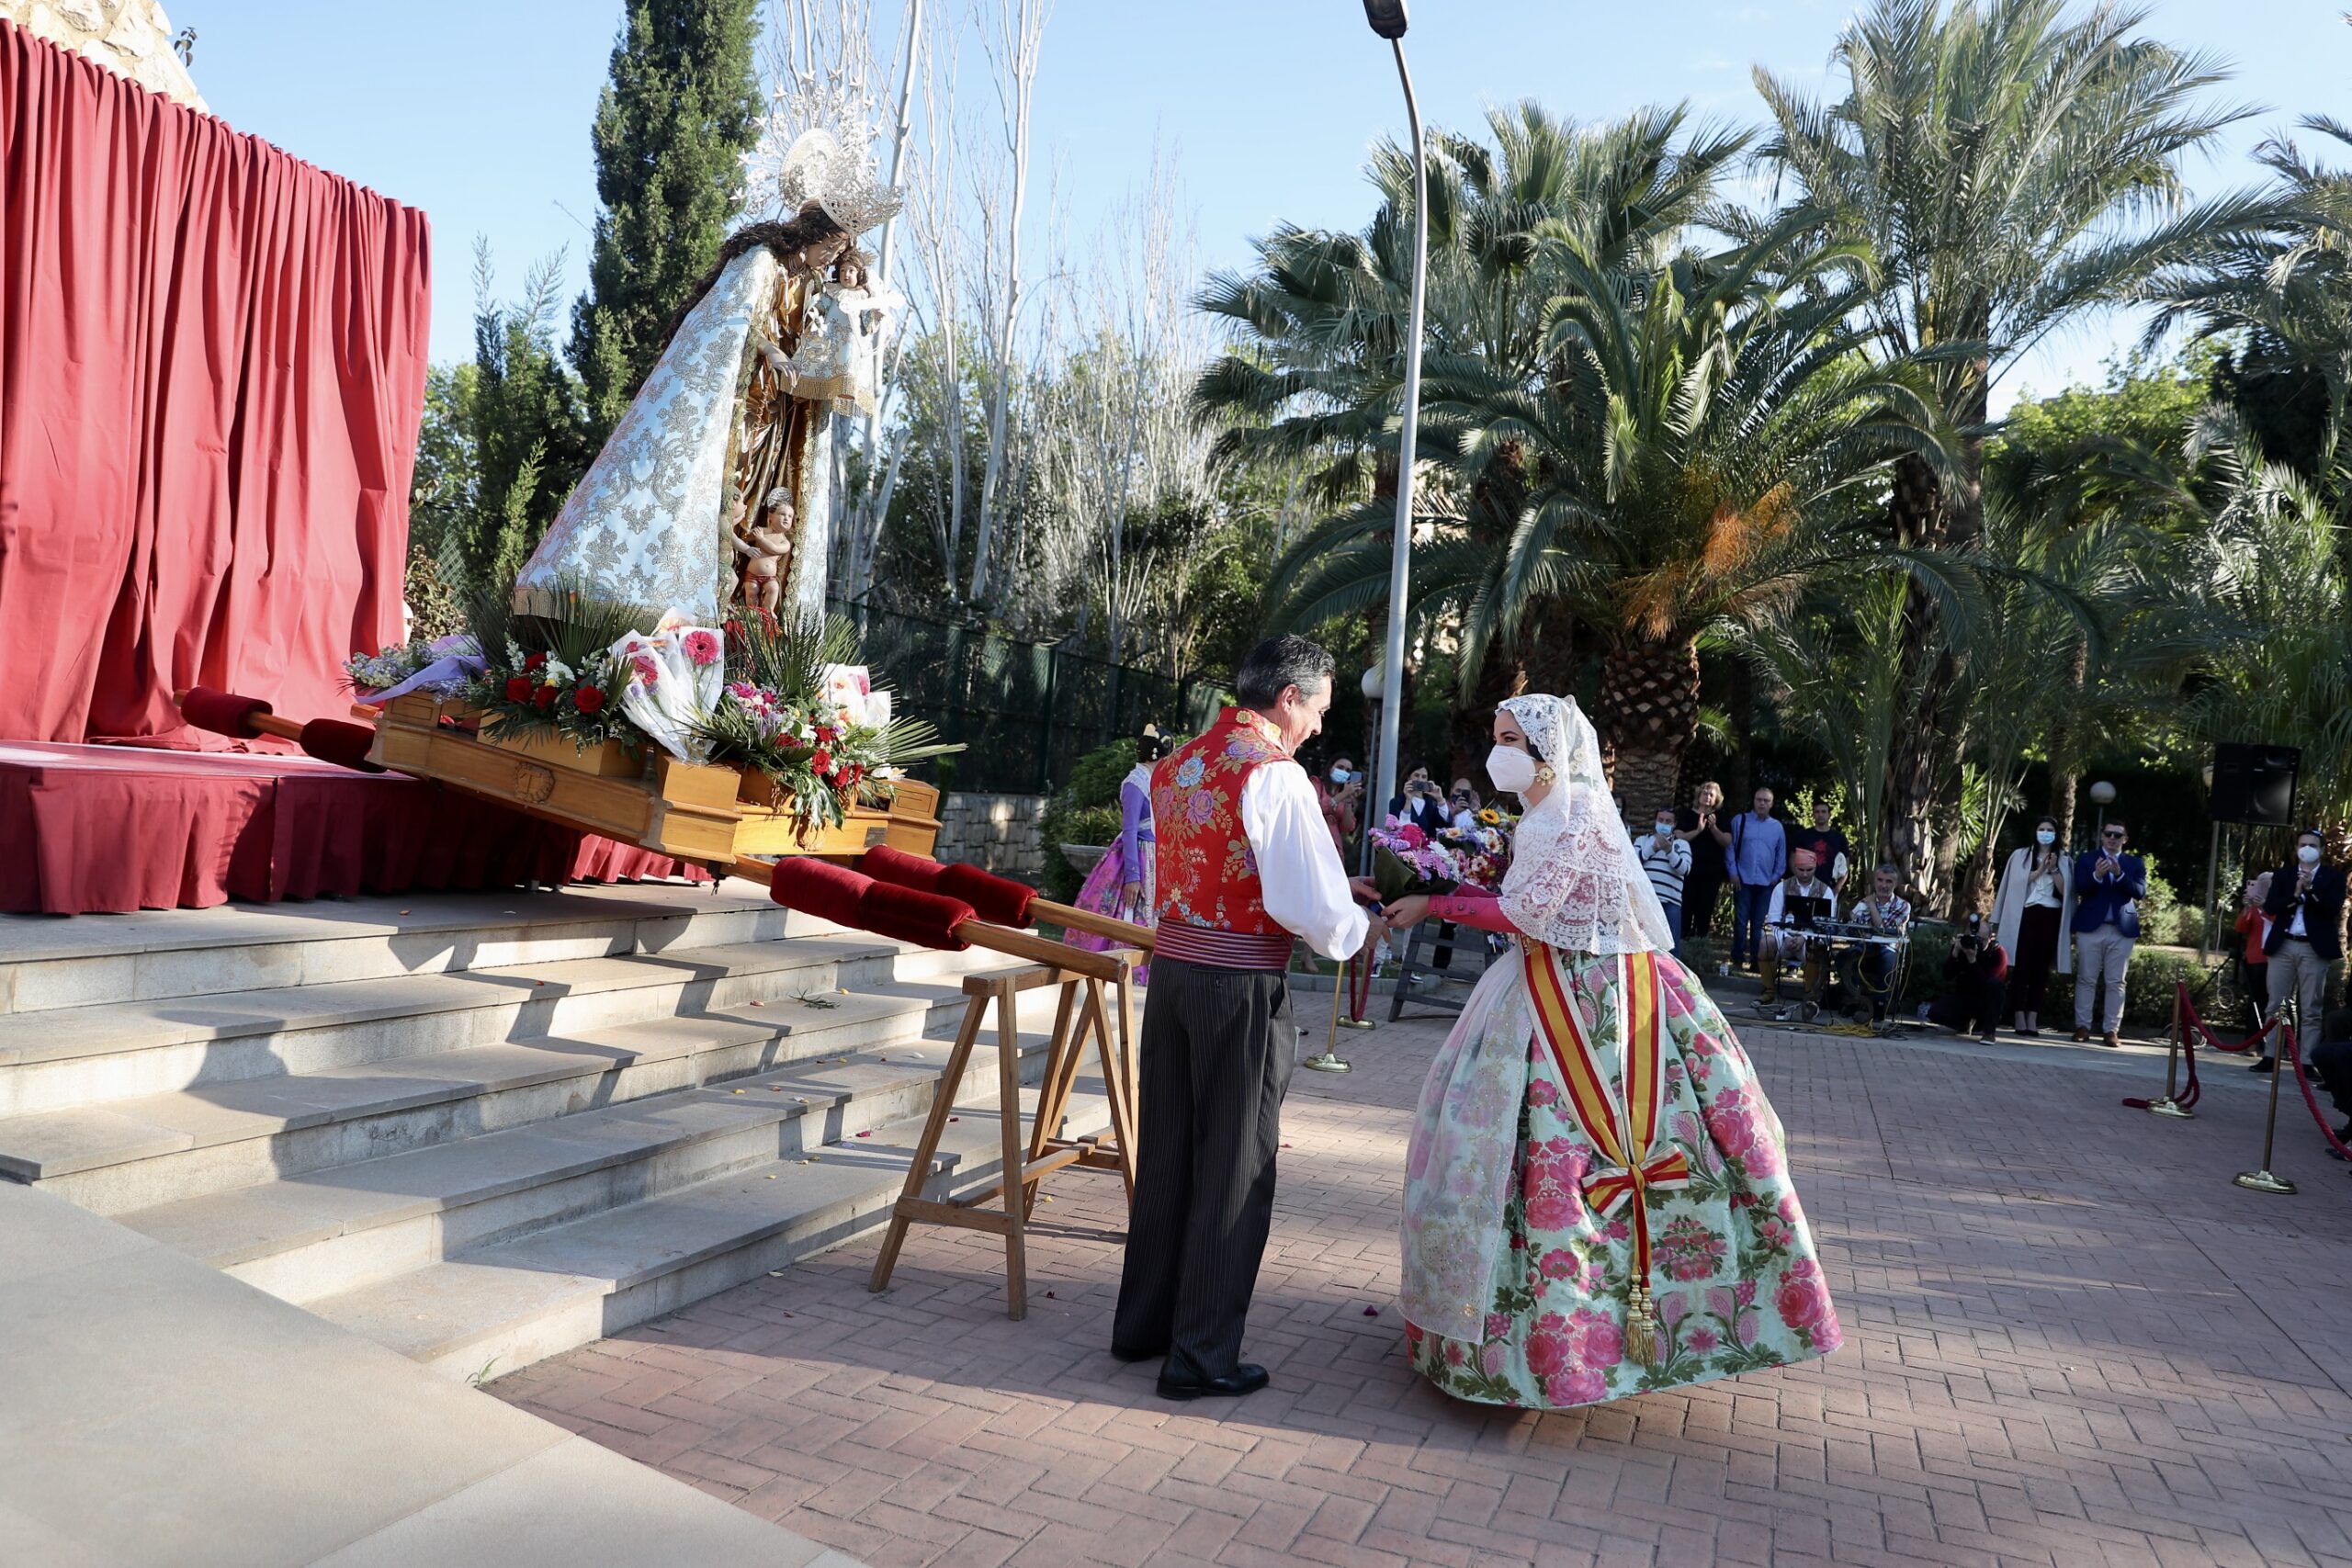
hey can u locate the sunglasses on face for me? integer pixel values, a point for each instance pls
(2111, 835)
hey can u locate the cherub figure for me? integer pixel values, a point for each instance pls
(762, 552)
(839, 360)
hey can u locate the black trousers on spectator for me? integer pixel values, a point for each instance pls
(1219, 1047)
(1973, 1007)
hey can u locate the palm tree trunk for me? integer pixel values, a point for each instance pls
(1647, 713)
(2064, 741)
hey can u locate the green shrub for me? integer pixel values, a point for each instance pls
(1084, 811)
(2154, 972)
(1923, 977)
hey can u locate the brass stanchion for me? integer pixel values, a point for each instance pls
(2263, 1180)
(2165, 1105)
(1330, 1061)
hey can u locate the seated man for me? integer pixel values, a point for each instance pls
(1887, 913)
(1799, 902)
(1976, 973)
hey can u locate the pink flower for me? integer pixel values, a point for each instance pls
(1802, 1298)
(1743, 1326)
(1790, 1210)
(1553, 1208)
(1745, 1292)
(1548, 1346)
(1672, 1308)
(1453, 1352)
(1541, 1092)
(1827, 1334)
(1557, 1264)
(646, 671)
(1615, 1230)
(1600, 1343)
(1497, 1324)
(1719, 1302)
(1763, 1156)
(1702, 1340)
(702, 646)
(1585, 1385)
(1490, 1360)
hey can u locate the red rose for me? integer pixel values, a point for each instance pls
(588, 699)
(518, 689)
(546, 699)
(535, 662)
(825, 734)
(820, 761)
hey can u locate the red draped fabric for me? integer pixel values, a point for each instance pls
(86, 828)
(211, 369)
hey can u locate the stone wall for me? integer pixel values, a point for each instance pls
(132, 38)
(1003, 833)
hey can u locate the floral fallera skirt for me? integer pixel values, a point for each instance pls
(1733, 1271)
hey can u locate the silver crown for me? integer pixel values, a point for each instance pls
(818, 168)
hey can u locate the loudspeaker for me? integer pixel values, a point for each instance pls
(2255, 785)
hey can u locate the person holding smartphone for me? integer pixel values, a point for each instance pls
(1665, 855)
(1422, 804)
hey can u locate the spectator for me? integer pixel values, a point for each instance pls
(2027, 910)
(1422, 805)
(1974, 971)
(1464, 803)
(1698, 826)
(2306, 912)
(2108, 885)
(1828, 845)
(1755, 859)
(1797, 906)
(2253, 964)
(1340, 792)
(1666, 857)
(1886, 913)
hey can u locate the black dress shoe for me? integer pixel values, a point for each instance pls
(2263, 1064)
(1243, 1379)
(1121, 1353)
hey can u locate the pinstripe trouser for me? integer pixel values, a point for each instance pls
(1219, 1047)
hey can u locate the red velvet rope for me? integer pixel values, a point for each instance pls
(2295, 1057)
(2186, 1030)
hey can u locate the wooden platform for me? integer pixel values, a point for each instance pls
(697, 813)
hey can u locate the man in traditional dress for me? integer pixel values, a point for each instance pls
(1246, 866)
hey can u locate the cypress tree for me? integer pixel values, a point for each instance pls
(671, 126)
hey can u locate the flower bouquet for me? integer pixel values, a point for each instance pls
(1406, 860)
(805, 723)
(558, 678)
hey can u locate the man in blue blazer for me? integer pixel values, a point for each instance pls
(2108, 885)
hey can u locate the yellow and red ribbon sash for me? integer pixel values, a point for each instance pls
(1625, 1136)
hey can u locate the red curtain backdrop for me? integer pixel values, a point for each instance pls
(211, 369)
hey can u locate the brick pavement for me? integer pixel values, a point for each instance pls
(2070, 1341)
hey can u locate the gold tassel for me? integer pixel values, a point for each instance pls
(1641, 1327)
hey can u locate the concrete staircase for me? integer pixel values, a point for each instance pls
(483, 1129)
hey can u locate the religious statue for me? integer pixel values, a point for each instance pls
(839, 360)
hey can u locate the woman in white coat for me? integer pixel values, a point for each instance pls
(2029, 911)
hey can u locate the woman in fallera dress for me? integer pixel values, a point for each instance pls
(1596, 1196)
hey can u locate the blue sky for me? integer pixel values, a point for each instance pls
(478, 112)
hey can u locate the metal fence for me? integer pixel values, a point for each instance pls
(1024, 711)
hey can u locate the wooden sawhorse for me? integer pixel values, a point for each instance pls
(1084, 1012)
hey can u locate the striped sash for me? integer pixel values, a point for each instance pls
(1625, 1134)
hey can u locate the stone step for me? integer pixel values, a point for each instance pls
(109, 1052)
(315, 1234)
(47, 963)
(133, 1153)
(498, 1309)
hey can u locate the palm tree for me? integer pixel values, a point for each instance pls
(2010, 166)
(1317, 371)
(1712, 439)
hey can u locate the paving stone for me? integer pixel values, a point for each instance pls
(2070, 1341)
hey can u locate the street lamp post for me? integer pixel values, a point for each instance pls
(1387, 19)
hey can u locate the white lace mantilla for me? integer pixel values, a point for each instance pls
(1575, 881)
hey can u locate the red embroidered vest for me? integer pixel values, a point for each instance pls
(1212, 906)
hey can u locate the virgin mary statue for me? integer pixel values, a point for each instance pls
(1597, 1193)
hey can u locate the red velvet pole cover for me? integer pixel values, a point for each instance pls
(848, 898)
(346, 745)
(996, 899)
(222, 713)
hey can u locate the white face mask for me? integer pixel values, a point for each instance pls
(2044, 836)
(1512, 769)
(1665, 826)
(2308, 853)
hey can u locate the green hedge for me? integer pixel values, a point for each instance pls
(1086, 811)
